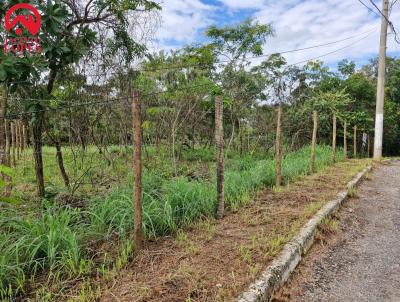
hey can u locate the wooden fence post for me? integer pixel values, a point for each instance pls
(13, 161)
(8, 143)
(278, 149)
(219, 142)
(137, 169)
(314, 141)
(368, 145)
(25, 132)
(334, 139)
(17, 147)
(21, 136)
(355, 141)
(345, 139)
(3, 113)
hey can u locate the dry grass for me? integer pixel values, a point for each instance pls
(215, 261)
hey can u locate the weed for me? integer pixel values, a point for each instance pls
(352, 192)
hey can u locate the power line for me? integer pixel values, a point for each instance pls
(181, 66)
(329, 53)
(370, 9)
(13, 116)
(386, 18)
(20, 114)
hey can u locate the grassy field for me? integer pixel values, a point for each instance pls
(64, 234)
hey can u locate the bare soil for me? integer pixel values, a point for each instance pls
(217, 260)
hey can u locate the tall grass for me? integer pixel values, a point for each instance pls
(177, 202)
(29, 244)
(56, 239)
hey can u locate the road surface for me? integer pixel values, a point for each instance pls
(362, 264)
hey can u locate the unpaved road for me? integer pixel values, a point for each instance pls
(362, 262)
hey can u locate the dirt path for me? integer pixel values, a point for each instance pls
(362, 261)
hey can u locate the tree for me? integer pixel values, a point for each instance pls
(69, 31)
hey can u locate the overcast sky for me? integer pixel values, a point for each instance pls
(297, 24)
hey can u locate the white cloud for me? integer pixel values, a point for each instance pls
(306, 23)
(297, 24)
(240, 4)
(183, 21)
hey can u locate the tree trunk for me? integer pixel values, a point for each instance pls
(355, 141)
(60, 162)
(21, 136)
(59, 156)
(3, 112)
(334, 139)
(13, 160)
(17, 139)
(314, 141)
(37, 154)
(278, 149)
(219, 141)
(25, 134)
(345, 139)
(369, 146)
(7, 160)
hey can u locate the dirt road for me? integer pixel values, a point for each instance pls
(362, 261)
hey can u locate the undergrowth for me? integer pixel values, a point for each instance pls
(57, 239)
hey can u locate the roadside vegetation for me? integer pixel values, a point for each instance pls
(71, 114)
(62, 239)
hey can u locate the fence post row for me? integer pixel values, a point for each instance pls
(13, 160)
(278, 149)
(334, 139)
(137, 169)
(355, 141)
(314, 141)
(219, 142)
(345, 139)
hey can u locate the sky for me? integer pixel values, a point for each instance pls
(297, 24)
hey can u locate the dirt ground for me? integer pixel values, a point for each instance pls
(360, 262)
(216, 261)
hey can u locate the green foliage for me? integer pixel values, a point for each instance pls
(30, 244)
(237, 41)
(175, 203)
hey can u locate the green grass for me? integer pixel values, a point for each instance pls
(30, 244)
(50, 238)
(177, 202)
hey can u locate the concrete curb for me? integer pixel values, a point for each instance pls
(282, 267)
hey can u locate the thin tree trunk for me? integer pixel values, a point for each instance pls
(278, 149)
(334, 139)
(3, 112)
(60, 162)
(25, 134)
(314, 141)
(219, 142)
(37, 154)
(355, 141)
(137, 169)
(21, 136)
(59, 156)
(369, 146)
(345, 139)
(13, 160)
(17, 139)
(7, 160)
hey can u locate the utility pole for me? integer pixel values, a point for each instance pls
(380, 96)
